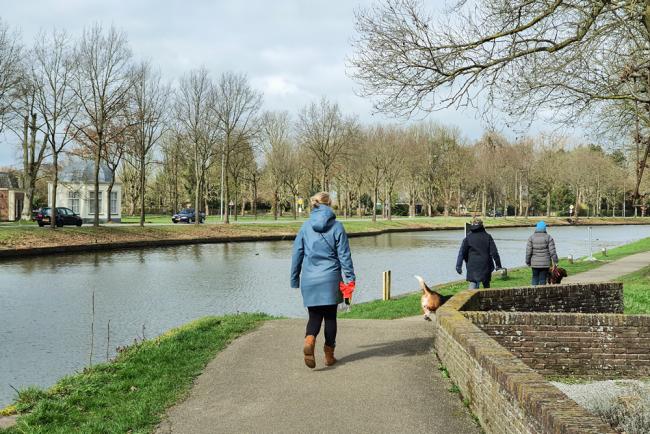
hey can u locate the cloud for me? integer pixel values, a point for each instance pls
(275, 85)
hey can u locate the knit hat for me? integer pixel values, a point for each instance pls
(541, 226)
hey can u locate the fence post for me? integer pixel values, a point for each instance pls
(386, 285)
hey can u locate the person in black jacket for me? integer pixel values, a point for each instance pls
(480, 254)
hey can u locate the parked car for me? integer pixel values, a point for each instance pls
(187, 215)
(64, 216)
(496, 213)
(35, 213)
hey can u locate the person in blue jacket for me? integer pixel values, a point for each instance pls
(321, 255)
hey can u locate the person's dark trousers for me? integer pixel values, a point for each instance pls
(540, 276)
(316, 316)
(477, 285)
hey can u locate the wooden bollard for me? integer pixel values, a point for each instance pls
(386, 285)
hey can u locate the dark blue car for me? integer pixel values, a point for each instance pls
(187, 215)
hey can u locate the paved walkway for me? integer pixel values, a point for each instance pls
(386, 381)
(612, 270)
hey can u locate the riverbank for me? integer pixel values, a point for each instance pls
(29, 240)
(636, 296)
(130, 393)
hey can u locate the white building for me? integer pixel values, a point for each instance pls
(76, 190)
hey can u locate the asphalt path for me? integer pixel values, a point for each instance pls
(386, 381)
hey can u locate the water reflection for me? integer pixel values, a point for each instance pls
(45, 302)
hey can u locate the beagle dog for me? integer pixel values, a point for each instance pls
(430, 300)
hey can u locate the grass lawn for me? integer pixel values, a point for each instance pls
(17, 236)
(131, 393)
(636, 285)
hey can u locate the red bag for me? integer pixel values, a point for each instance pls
(347, 289)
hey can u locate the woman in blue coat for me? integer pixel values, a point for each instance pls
(321, 255)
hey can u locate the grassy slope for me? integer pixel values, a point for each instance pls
(132, 392)
(637, 297)
(22, 236)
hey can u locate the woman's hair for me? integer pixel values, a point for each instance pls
(321, 198)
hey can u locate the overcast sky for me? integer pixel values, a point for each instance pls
(293, 51)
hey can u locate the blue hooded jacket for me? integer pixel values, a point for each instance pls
(321, 252)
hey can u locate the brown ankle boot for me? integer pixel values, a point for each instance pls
(329, 355)
(308, 351)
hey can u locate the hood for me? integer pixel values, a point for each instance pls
(322, 218)
(476, 228)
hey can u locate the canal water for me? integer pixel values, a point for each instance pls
(46, 307)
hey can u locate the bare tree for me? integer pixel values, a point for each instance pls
(23, 121)
(374, 164)
(237, 105)
(294, 176)
(573, 57)
(325, 132)
(103, 82)
(393, 165)
(10, 68)
(198, 126)
(52, 74)
(147, 120)
(239, 164)
(275, 129)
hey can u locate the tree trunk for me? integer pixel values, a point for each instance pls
(226, 192)
(389, 205)
(142, 190)
(359, 212)
(197, 195)
(243, 204)
(98, 159)
(254, 204)
(447, 203)
(55, 184)
(548, 204)
(295, 206)
(234, 202)
(274, 205)
(374, 205)
(109, 190)
(31, 165)
(483, 202)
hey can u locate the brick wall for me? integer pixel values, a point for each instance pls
(585, 298)
(595, 346)
(4, 205)
(506, 394)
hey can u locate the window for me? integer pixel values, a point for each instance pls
(73, 201)
(113, 202)
(91, 202)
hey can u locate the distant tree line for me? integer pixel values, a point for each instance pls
(207, 142)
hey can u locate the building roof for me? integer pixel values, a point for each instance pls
(77, 169)
(8, 180)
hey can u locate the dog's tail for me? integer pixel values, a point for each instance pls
(423, 285)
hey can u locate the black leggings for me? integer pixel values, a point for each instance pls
(316, 316)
